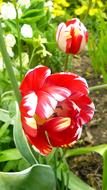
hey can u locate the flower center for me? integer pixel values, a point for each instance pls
(39, 120)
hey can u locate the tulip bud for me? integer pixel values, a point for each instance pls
(72, 36)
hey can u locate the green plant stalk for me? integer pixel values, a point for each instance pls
(105, 171)
(8, 65)
(19, 38)
(88, 9)
(66, 63)
(98, 87)
(55, 168)
(32, 56)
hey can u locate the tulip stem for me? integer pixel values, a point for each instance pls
(18, 38)
(9, 68)
(98, 87)
(66, 63)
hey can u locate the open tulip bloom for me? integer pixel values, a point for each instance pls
(54, 108)
(72, 36)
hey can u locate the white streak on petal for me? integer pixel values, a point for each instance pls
(48, 110)
(31, 122)
(64, 123)
(31, 103)
(78, 132)
(46, 105)
(59, 29)
(61, 37)
(59, 93)
(76, 107)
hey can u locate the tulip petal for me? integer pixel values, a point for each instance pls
(59, 93)
(86, 107)
(62, 131)
(67, 108)
(60, 26)
(61, 36)
(41, 143)
(70, 81)
(28, 107)
(46, 105)
(72, 36)
(28, 104)
(73, 21)
(73, 46)
(34, 79)
(27, 126)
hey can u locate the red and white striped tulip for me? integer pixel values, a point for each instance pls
(72, 36)
(54, 108)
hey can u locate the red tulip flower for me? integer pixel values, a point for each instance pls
(72, 36)
(54, 108)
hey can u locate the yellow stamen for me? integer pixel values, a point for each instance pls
(39, 120)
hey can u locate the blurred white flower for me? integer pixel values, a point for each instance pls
(10, 40)
(3, 25)
(26, 31)
(25, 3)
(10, 51)
(25, 59)
(8, 11)
(49, 4)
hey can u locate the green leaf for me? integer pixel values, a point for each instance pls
(10, 154)
(38, 4)
(12, 26)
(3, 129)
(21, 141)
(105, 171)
(78, 151)
(32, 19)
(74, 182)
(37, 177)
(32, 12)
(4, 116)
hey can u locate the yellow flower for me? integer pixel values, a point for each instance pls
(93, 11)
(0, 4)
(80, 10)
(99, 3)
(59, 6)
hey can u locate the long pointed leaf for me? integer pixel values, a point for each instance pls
(37, 177)
(21, 141)
(84, 150)
(10, 154)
